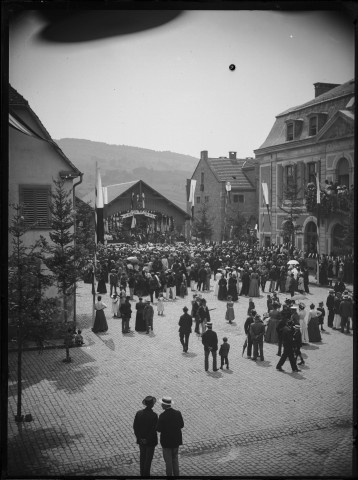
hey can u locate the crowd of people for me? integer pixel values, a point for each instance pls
(157, 274)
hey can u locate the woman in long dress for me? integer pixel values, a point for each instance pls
(139, 319)
(303, 326)
(232, 290)
(271, 335)
(222, 293)
(100, 322)
(218, 277)
(230, 314)
(314, 334)
(254, 290)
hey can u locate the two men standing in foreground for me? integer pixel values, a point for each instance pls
(169, 424)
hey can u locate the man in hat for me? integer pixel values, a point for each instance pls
(144, 426)
(330, 307)
(257, 332)
(113, 282)
(210, 341)
(185, 324)
(148, 314)
(126, 313)
(169, 425)
(288, 352)
(346, 312)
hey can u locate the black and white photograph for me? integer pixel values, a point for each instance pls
(178, 287)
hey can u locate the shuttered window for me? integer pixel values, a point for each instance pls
(35, 201)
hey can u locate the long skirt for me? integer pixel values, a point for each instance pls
(337, 321)
(314, 335)
(304, 331)
(100, 322)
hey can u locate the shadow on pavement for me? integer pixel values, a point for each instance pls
(110, 344)
(265, 363)
(28, 449)
(72, 377)
(189, 354)
(309, 347)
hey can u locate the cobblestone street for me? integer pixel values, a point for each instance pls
(249, 420)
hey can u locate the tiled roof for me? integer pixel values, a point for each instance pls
(344, 89)
(329, 103)
(230, 170)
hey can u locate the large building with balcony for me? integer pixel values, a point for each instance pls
(311, 141)
(225, 188)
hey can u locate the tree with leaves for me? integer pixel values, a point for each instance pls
(292, 205)
(202, 226)
(30, 312)
(61, 258)
(85, 233)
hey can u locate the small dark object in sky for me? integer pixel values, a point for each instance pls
(232, 67)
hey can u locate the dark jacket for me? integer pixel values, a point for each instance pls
(204, 313)
(287, 337)
(169, 425)
(144, 426)
(345, 308)
(185, 323)
(224, 349)
(257, 330)
(330, 302)
(210, 339)
(248, 322)
(126, 310)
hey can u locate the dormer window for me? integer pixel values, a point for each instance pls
(313, 126)
(316, 122)
(293, 129)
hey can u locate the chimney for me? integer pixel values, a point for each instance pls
(232, 155)
(204, 155)
(320, 88)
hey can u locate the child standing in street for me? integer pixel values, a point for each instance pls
(224, 353)
(230, 314)
(79, 338)
(320, 308)
(160, 305)
(115, 305)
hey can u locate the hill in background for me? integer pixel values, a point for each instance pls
(166, 172)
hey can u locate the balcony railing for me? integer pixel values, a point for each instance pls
(332, 199)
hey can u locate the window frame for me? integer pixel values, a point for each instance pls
(36, 205)
(198, 200)
(311, 174)
(313, 125)
(289, 126)
(292, 177)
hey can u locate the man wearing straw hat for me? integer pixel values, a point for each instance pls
(169, 425)
(144, 426)
(210, 341)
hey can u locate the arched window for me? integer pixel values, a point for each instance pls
(343, 172)
(311, 237)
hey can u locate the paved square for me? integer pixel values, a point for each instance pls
(248, 420)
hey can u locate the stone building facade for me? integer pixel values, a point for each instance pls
(306, 141)
(212, 176)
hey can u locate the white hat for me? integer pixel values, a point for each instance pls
(166, 401)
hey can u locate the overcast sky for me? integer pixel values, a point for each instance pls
(170, 87)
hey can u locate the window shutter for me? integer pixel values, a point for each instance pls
(42, 210)
(35, 201)
(279, 182)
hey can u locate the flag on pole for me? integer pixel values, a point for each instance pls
(192, 196)
(266, 199)
(99, 205)
(318, 190)
(228, 192)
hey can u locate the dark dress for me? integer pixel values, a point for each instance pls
(245, 284)
(100, 322)
(271, 335)
(139, 319)
(222, 293)
(314, 334)
(232, 290)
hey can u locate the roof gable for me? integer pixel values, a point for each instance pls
(230, 170)
(17, 103)
(341, 125)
